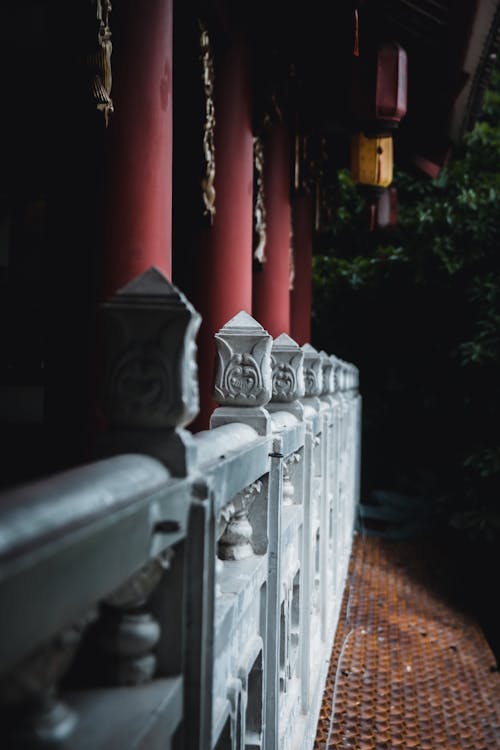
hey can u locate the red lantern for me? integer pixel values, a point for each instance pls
(380, 88)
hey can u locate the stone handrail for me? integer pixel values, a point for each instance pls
(186, 590)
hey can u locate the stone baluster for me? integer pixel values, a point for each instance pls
(288, 485)
(235, 543)
(127, 633)
(150, 389)
(31, 715)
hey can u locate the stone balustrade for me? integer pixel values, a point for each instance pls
(184, 590)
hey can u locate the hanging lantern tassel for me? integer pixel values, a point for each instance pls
(379, 164)
(373, 215)
(291, 276)
(356, 33)
(98, 61)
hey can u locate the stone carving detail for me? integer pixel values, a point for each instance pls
(288, 488)
(235, 541)
(327, 374)
(150, 372)
(312, 371)
(32, 716)
(242, 378)
(288, 375)
(243, 375)
(127, 633)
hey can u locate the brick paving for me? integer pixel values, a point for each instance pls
(408, 669)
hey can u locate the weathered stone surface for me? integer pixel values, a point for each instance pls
(313, 376)
(243, 376)
(327, 374)
(150, 355)
(287, 369)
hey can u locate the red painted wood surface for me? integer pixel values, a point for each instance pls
(225, 254)
(301, 295)
(271, 292)
(138, 204)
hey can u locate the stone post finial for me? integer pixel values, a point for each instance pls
(327, 375)
(150, 373)
(243, 378)
(313, 376)
(287, 366)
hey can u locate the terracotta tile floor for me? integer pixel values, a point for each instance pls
(408, 669)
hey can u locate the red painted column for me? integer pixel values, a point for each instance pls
(301, 296)
(138, 198)
(271, 292)
(225, 254)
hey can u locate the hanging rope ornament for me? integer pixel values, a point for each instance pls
(208, 180)
(99, 62)
(259, 212)
(355, 51)
(291, 273)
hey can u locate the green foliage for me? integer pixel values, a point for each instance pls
(427, 302)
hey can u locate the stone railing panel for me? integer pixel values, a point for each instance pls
(212, 567)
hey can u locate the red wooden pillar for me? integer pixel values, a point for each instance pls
(138, 200)
(271, 292)
(225, 255)
(301, 296)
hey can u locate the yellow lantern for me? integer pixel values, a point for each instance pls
(371, 160)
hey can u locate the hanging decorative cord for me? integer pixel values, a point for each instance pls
(356, 33)
(259, 211)
(208, 180)
(317, 204)
(99, 61)
(291, 278)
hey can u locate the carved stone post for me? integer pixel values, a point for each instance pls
(150, 385)
(243, 382)
(150, 393)
(287, 360)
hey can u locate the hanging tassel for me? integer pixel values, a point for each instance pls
(356, 33)
(373, 215)
(379, 165)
